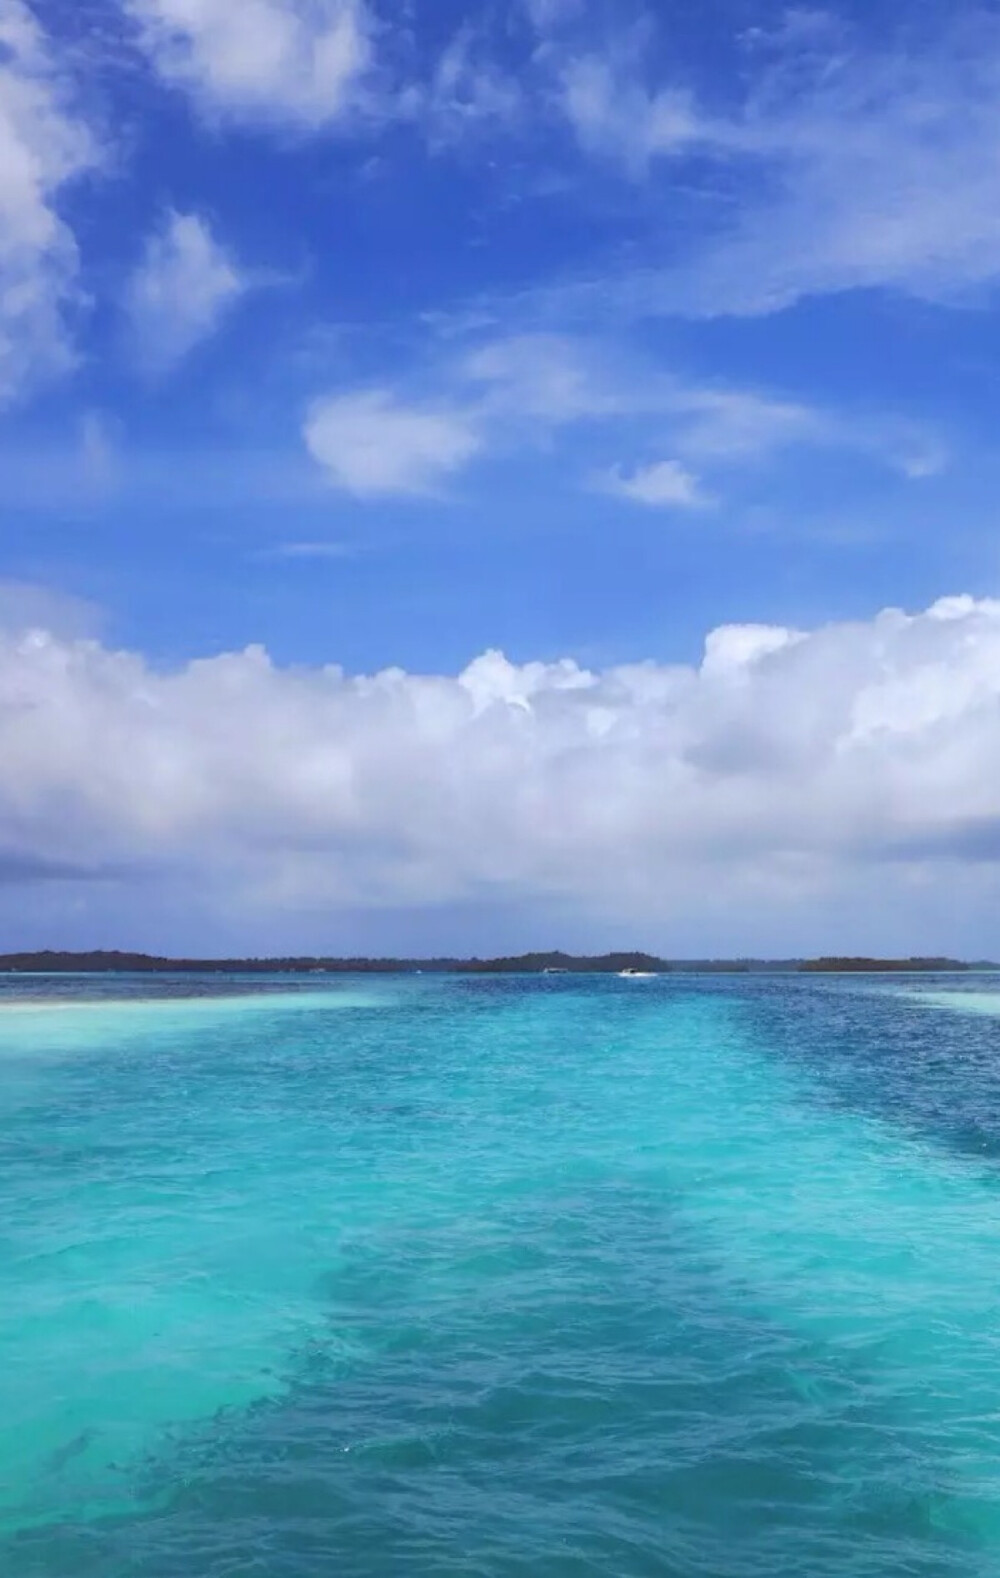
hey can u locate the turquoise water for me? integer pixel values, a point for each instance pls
(492, 1277)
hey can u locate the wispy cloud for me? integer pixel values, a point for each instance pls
(468, 90)
(44, 145)
(546, 15)
(550, 378)
(613, 113)
(514, 392)
(335, 551)
(721, 424)
(184, 285)
(731, 426)
(857, 170)
(98, 452)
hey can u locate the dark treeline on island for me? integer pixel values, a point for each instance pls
(890, 966)
(52, 962)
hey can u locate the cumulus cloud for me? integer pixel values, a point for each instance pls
(370, 443)
(848, 169)
(665, 484)
(784, 763)
(293, 62)
(44, 145)
(178, 295)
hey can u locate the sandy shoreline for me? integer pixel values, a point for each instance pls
(300, 1000)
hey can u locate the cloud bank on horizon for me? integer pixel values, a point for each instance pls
(787, 770)
(383, 338)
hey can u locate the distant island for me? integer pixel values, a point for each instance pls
(102, 961)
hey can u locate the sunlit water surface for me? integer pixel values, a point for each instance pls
(491, 1277)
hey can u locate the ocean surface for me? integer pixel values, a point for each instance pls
(483, 1277)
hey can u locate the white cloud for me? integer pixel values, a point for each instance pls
(370, 443)
(44, 145)
(507, 390)
(612, 113)
(665, 484)
(844, 169)
(788, 768)
(181, 290)
(297, 62)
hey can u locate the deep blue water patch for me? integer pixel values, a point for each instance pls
(889, 1045)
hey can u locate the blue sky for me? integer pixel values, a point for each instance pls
(384, 335)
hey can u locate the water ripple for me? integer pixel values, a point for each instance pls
(501, 1278)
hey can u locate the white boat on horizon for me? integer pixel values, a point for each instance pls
(636, 975)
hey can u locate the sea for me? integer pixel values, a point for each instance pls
(500, 1277)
